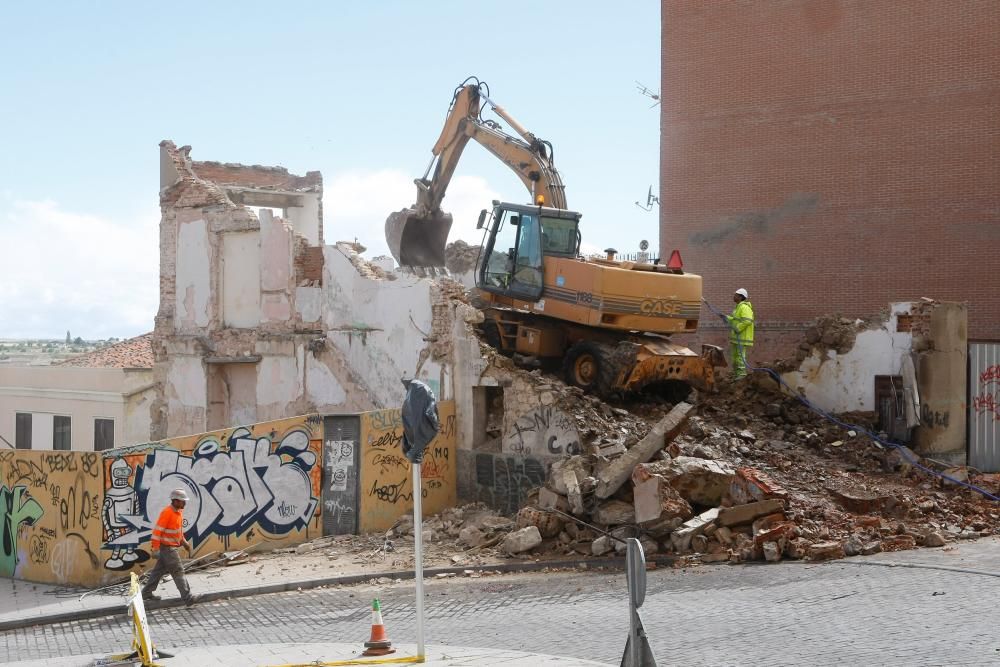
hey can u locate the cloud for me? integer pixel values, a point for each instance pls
(356, 204)
(64, 270)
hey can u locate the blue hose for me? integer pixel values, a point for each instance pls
(904, 452)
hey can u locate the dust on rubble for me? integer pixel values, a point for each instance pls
(829, 332)
(753, 475)
(460, 257)
(745, 474)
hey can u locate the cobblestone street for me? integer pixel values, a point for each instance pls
(819, 614)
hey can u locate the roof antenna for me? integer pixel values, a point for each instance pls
(643, 90)
(650, 200)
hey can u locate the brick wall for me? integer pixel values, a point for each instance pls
(308, 263)
(833, 156)
(226, 173)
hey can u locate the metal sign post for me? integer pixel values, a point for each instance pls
(420, 426)
(418, 555)
(638, 652)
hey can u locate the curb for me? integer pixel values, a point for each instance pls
(345, 580)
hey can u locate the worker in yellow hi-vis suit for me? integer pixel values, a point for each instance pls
(740, 332)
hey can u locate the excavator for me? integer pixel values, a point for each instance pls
(607, 322)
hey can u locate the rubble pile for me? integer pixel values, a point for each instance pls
(828, 332)
(604, 429)
(749, 474)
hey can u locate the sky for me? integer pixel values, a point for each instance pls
(357, 90)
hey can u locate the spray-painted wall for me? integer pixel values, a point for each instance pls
(984, 406)
(257, 485)
(50, 507)
(86, 518)
(386, 483)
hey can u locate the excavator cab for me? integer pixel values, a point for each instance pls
(518, 237)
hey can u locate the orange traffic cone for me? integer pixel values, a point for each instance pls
(379, 643)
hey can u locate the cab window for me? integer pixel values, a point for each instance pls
(514, 259)
(559, 236)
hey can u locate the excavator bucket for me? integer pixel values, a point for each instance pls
(418, 240)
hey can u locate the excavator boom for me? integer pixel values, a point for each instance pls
(417, 236)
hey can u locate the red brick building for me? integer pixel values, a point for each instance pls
(833, 156)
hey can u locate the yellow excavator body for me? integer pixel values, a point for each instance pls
(608, 321)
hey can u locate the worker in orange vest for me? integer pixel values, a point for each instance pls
(168, 536)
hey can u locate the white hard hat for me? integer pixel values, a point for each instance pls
(743, 293)
(178, 494)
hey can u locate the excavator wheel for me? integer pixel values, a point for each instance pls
(590, 366)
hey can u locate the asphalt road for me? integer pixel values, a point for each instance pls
(786, 614)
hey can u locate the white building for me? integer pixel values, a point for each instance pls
(95, 401)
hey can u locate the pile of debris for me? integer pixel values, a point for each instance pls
(754, 476)
(828, 332)
(604, 429)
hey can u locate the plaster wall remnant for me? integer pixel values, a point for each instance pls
(838, 363)
(260, 320)
(238, 336)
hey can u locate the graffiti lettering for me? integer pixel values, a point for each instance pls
(991, 375)
(449, 428)
(28, 471)
(434, 468)
(74, 511)
(38, 549)
(549, 428)
(90, 463)
(504, 482)
(393, 493)
(987, 404)
(17, 508)
(341, 514)
(61, 462)
(383, 420)
(63, 561)
(287, 511)
(555, 448)
(233, 487)
(933, 418)
(388, 440)
(388, 461)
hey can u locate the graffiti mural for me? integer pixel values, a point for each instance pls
(385, 483)
(50, 503)
(546, 431)
(18, 508)
(504, 482)
(240, 484)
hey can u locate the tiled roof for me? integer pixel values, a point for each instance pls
(132, 353)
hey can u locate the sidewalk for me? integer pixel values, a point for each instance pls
(286, 655)
(24, 604)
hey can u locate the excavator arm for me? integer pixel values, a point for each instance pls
(417, 236)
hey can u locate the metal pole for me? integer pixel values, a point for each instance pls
(633, 626)
(418, 555)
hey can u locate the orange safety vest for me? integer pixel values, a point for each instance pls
(169, 528)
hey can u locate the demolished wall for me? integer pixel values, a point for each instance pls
(836, 365)
(241, 332)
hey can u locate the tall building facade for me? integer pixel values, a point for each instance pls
(832, 156)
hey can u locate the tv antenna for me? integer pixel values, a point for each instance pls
(643, 90)
(650, 200)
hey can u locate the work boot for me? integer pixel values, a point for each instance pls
(194, 599)
(151, 596)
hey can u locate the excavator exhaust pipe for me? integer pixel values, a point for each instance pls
(418, 240)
